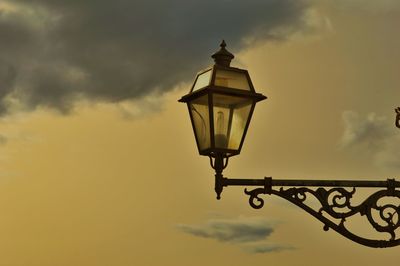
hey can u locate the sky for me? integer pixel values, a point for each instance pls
(98, 162)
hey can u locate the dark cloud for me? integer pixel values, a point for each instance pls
(7, 78)
(249, 233)
(234, 230)
(53, 52)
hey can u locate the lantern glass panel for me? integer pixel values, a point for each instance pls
(232, 79)
(230, 116)
(202, 80)
(200, 118)
(240, 119)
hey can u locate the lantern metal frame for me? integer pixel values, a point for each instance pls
(333, 196)
(212, 89)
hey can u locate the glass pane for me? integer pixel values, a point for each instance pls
(230, 118)
(202, 80)
(221, 126)
(239, 120)
(200, 116)
(232, 79)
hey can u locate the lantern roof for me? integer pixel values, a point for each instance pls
(222, 78)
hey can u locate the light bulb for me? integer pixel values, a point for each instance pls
(220, 131)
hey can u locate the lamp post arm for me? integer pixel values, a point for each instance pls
(335, 200)
(309, 183)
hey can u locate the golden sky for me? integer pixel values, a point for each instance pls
(97, 177)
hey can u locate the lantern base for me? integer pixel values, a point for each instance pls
(219, 163)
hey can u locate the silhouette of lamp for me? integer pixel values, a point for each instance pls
(221, 102)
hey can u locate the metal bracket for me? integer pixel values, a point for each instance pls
(336, 205)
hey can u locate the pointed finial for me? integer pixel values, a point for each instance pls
(223, 57)
(223, 44)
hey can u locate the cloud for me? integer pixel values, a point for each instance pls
(371, 6)
(239, 230)
(374, 135)
(371, 131)
(55, 52)
(249, 233)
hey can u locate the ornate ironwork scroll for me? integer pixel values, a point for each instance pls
(336, 208)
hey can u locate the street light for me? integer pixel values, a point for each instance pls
(221, 102)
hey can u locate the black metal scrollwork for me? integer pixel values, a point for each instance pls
(336, 208)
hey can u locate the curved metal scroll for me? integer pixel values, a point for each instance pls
(336, 202)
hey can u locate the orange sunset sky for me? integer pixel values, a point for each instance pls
(98, 162)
